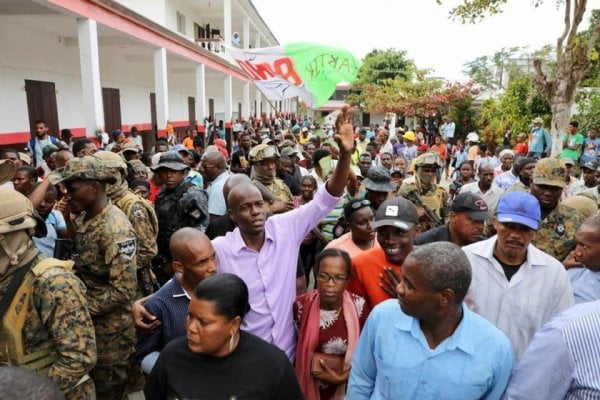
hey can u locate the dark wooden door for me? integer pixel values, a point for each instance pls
(211, 108)
(41, 105)
(239, 117)
(153, 112)
(192, 112)
(111, 98)
(366, 119)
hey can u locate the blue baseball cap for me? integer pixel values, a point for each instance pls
(519, 208)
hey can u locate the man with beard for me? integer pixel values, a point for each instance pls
(524, 170)
(179, 204)
(490, 193)
(468, 213)
(512, 279)
(422, 190)
(556, 234)
(396, 223)
(264, 159)
(240, 163)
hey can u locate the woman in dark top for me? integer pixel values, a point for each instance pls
(216, 360)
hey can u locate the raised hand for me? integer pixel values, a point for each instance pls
(344, 131)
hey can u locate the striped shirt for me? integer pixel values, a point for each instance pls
(539, 290)
(563, 361)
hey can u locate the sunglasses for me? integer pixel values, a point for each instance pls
(360, 204)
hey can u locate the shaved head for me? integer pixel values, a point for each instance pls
(247, 209)
(239, 193)
(214, 157)
(233, 181)
(186, 242)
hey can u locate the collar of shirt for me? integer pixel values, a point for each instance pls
(178, 290)
(462, 337)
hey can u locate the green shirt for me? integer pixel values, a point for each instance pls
(572, 140)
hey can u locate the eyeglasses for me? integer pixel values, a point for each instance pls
(359, 204)
(323, 277)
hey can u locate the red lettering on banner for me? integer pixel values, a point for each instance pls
(285, 68)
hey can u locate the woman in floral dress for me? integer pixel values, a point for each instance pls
(328, 320)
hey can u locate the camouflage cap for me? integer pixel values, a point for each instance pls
(428, 159)
(112, 160)
(86, 168)
(550, 171)
(263, 152)
(17, 213)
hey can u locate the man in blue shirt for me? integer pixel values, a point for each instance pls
(540, 141)
(562, 360)
(585, 278)
(431, 346)
(193, 261)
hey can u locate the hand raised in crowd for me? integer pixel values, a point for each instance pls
(390, 280)
(344, 131)
(142, 319)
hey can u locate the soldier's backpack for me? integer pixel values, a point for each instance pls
(13, 313)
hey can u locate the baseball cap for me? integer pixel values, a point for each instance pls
(567, 161)
(519, 208)
(472, 204)
(551, 172)
(593, 165)
(397, 212)
(179, 147)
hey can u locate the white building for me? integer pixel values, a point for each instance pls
(93, 64)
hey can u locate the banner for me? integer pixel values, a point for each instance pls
(305, 70)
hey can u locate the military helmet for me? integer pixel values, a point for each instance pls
(86, 168)
(428, 159)
(112, 160)
(263, 152)
(16, 212)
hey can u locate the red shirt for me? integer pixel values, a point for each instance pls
(441, 150)
(365, 280)
(521, 148)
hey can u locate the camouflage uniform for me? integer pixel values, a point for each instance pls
(143, 218)
(105, 247)
(275, 185)
(436, 198)
(58, 318)
(518, 186)
(556, 234)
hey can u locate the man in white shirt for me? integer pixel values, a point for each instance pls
(483, 187)
(516, 286)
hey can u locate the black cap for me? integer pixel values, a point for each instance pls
(472, 204)
(397, 212)
(379, 180)
(593, 165)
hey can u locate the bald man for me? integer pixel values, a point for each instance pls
(223, 224)
(193, 261)
(214, 170)
(62, 157)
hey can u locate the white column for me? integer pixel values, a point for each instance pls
(200, 93)
(246, 32)
(161, 87)
(246, 101)
(227, 22)
(91, 89)
(227, 98)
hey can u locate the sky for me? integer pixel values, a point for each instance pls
(420, 27)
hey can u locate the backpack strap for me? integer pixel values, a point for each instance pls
(14, 285)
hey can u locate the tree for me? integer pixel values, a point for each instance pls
(574, 56)
(379, 66)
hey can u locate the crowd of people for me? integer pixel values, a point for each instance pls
(292, 260)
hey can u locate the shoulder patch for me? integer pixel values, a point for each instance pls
(127, 248)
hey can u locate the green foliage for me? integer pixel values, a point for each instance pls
(513, 110)
(588, 109)
(464, 115)
(471, 11)
(380, 66)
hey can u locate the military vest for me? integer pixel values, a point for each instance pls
(12, 347)
(126, 203)
(170, 215)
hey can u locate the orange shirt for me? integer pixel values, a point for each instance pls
(441, 150)
(345, 243)
(188, 142)
(365, 280)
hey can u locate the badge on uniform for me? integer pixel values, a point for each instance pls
(127, 248)
(560, 229)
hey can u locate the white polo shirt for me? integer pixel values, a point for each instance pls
(491, 197)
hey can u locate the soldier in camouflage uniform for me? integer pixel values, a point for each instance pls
(142, 217)
(556, 234)
(264, 161)
(423, 191)
(57, 324)
(105, 246)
